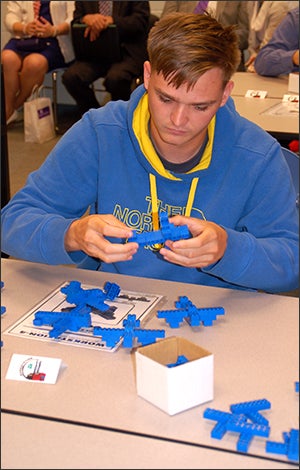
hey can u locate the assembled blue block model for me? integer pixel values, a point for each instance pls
(94, 298)
(168, 231)
(79, 316)
(237, 421)
(131, 330)
(186, 310)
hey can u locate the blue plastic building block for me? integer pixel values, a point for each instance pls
(250, 410)
(61, 321)
(247, 432)
(172, 317)
(94, 298)
(222, 418)
(290, 446)
(297, 386)
(180, 360)
(168, 231)
(3, 309)
(131, 330)
(186, 310)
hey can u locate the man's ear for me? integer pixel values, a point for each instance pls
(147, 73)
(227, 92)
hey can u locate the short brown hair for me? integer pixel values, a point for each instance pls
(183, 46)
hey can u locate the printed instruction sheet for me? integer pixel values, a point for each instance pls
(127, 302)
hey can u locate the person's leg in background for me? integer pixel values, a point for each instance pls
(34, 69)
(77, 80)
(20, 76)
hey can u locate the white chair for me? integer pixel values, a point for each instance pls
(292, 159)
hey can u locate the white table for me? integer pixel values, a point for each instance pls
(275, 86)
(256, 110)
(93, 418)
(283, 128)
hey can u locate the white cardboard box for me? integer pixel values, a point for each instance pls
(174, 389)
(294, 82)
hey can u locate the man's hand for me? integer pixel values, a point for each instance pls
(95, 24)
(296, 57)
(207, 246)
(89, 234)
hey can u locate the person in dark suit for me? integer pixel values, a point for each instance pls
(132, 20)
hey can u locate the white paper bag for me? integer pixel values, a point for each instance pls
(38, 117)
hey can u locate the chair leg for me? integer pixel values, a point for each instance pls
(54, 91)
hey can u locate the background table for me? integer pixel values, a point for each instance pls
(254, 109)
(92, 415)
(283, 128)
(275, 86)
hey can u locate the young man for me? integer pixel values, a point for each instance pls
(179, 146)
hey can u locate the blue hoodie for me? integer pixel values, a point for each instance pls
(103, 163)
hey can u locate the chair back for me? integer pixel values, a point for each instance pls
(292, 160)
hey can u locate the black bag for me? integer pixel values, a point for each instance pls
(32, 44)
(106, 46)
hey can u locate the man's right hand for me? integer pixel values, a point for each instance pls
(89, 234)
(95, 24)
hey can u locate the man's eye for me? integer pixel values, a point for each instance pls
(201, 108)
(163, 99)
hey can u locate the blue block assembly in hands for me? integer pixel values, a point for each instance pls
(168, 231)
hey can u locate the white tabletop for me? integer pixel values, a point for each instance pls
(258, 111)
(276, 87)
(284, 127)
(255, 347)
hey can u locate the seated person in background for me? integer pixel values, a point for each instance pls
(180, 6)
(132, 20)
(281, 54)
(25, 64)
(265, 18)
(178, 146)
(230, 13)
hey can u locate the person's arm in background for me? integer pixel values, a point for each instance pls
(274, 12)
(14, 20)
(281, 54)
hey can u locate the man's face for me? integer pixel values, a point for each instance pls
(180, 117)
